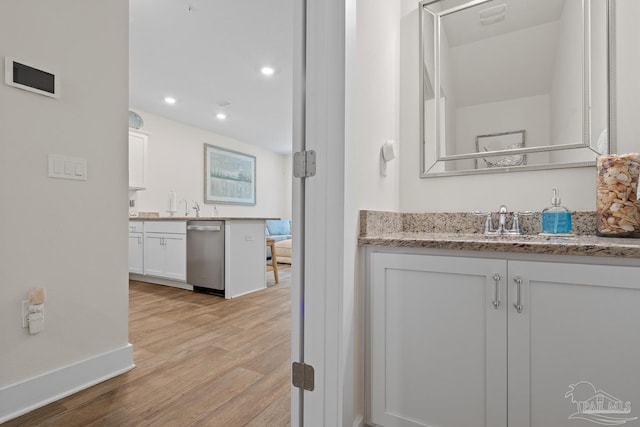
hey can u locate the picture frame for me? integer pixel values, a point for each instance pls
(498, 142)
(229, 176)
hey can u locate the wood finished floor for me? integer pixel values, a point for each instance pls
(200, 361)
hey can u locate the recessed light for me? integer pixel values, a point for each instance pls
(267, 71)
(221, 116)
(170, 100)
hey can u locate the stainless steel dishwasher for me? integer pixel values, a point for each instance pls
(205, 256)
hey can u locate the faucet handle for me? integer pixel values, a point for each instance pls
(488, 223)
(516, 227)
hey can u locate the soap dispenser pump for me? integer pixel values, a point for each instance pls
(556, 219)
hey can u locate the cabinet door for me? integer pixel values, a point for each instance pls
(574, 345)
(136, 253)
(437, 343)
(175, 246)
(137, 160)
(154, 255)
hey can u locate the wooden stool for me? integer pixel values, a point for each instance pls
(274, 261)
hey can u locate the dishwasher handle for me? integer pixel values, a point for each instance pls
(204, 227)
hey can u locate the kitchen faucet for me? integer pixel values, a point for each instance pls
(196, 207)
(186, 207)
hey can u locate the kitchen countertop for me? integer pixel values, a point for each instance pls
(193, 218)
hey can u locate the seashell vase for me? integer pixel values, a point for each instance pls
(618, 205)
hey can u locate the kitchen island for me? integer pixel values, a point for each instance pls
(158, 252)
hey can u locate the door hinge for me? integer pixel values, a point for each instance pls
(302, 376)
(304, 164)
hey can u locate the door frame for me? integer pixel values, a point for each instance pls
(318, 271)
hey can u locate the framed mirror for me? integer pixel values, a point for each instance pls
(509, 85)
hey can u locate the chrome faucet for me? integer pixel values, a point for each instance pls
(502, 220)
(186, 207)
(196, 207)
(503, 229)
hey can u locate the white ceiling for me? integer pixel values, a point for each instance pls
(511, 59)
(464, 27)
(204, 52)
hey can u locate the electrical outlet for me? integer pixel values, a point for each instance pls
(25, 313)
(248, 237)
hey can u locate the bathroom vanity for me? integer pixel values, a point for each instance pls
(465, 329)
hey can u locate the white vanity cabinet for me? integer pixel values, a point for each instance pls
(437, 344)
(137, 159)
(165, 249)
(448, 347)
(579, 325)
(136, 247)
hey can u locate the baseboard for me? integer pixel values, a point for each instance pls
(25, 396)
(359, 422)
(160, 281)
(227, 296)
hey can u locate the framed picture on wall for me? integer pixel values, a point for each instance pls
(500, 142)
(229, 176)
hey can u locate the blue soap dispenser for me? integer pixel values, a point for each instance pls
(556, 219)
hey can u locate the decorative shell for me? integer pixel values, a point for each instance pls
(618, 205)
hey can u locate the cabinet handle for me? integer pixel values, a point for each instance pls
(139, 240)
(496, 295)
(518, 304)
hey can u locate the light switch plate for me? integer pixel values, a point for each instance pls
(67, 167)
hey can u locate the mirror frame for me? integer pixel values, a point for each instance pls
(586, 78)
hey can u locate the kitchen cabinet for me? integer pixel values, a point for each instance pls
(165, 250)
(459, 341)
(138, 142)
(162, 254)
(136, 247)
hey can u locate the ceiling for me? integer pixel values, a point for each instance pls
(513, 58)
(205, 53)
(464, 26)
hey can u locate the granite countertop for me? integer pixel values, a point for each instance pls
(460, 231)
(583, 245)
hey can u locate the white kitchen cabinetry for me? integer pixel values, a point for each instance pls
(137, 159)
(165, 250)
(136, 248)
(442, 354)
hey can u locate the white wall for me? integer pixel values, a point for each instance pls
(447, 97)
(376, 102)
(519, 191)
(628, 75)
(567, 85)
(67, 236)
(529, 113)
(372, 106)
(176, 162)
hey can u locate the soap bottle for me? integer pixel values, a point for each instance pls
(556, 219)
